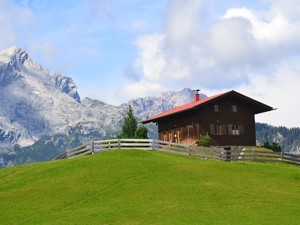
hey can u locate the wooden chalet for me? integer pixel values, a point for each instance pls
(228, 118)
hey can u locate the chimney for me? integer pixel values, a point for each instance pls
(196, 95)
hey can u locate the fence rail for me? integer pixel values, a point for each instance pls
(217, 153)
(75, 152)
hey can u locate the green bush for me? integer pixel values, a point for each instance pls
(275, 146)
(141, 133)
(204, 140)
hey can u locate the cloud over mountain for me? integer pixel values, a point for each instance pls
(118, 50)
(242, 48)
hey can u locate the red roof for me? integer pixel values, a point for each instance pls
(258, 106)
(184, 107)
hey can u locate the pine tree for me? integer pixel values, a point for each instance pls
(129, 125)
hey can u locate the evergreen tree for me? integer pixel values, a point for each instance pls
(267, 145)
(129, 125)
(276, 147)
(141, 133)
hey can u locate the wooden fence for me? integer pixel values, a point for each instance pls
(75, 152)
(218, 153)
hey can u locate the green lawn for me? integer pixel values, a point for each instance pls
(145, 187)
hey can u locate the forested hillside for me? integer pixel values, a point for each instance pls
(288, 138)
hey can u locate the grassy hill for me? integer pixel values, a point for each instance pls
(139, 187)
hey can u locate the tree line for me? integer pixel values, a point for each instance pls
(288, 138)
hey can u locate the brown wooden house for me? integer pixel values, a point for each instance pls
(228, 118)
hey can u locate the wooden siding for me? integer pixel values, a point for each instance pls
(187, 126)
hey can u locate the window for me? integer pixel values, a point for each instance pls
(235, 129)
(217, 108)
(234, 108)
(217, 129)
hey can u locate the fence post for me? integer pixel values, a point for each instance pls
(119, 143)
(92, 147)
(153, 145)
(227, 153)
(281, 155)
(188, 150)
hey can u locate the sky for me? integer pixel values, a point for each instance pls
(116, 50)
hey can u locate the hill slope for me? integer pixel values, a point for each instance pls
(139, 187)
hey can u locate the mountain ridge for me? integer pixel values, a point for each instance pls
(37, 102)
(42, 108)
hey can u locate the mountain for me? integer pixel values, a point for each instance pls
(36, 102)
(39, 107)
(33, 99)
(104, 122)
(288, 138)
(42, 114)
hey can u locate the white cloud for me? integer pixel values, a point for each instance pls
(13, 19)
(152, 58)
(44, 49)
(231, 42)
(281, 91)
(182, 21)
(141, 88)
(243, 49)
(271, 30)
(252, 50)
(287, 8)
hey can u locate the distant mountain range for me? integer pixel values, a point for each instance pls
(42, 114)
(288, 138)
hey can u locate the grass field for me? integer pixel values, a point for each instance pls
(139, 187)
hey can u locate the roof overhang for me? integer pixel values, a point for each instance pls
(258, 107)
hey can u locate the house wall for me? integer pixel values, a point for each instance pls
(225, 127)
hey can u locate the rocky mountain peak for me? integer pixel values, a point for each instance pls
(16, 64)
(8, 54)
(37, 102)
(14, 56)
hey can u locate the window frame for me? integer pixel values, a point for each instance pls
(234, 108)
(218, 129)
(216, 108)
(235, 129)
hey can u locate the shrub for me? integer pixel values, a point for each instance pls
(141, 133)
(204, 140)
(275, 146)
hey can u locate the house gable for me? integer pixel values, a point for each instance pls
(228, 118)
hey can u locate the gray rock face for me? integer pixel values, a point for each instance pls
(36, 102)
(33, 99)
(150, 106)
(16, 64)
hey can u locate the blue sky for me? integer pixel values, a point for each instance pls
(116, 50)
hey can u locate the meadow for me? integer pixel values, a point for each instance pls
(149, 187)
